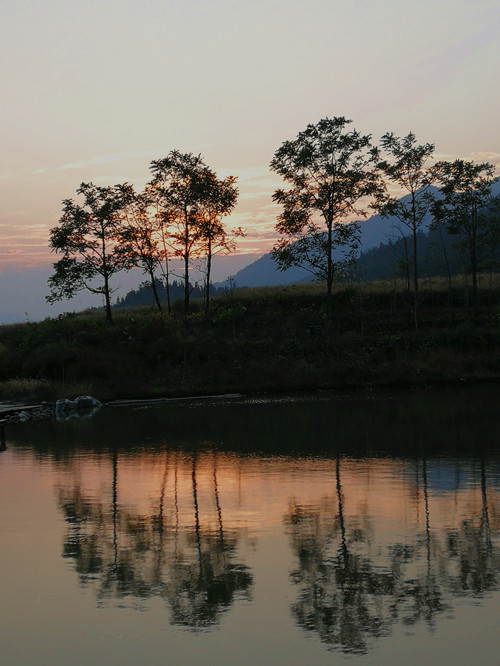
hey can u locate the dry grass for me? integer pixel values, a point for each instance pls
(257, 339)
(41, 390)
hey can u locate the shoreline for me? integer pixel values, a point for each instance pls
(10, 411)
(259, 341)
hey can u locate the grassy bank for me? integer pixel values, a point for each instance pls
(258, 340)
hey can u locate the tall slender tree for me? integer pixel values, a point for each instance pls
(141, 236)
(330, 172)
(179, 183)
(214, 236)
(469, 211)
(194, 200)
(408, 169)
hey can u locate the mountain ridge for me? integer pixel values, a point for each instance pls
(373, 231)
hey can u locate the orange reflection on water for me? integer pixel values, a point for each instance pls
(255, 491)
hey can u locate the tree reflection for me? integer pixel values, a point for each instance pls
(352, 591)
(130, 556)
(472, 550)
(200, 587)
(421, 595)
(344, 597)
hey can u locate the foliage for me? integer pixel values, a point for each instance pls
(213, 235)
(144, 296)
(384, 261)
(330, 172)
(407, 169)
(469, 211)
(142, 236)
(88, 237)
(192, 200)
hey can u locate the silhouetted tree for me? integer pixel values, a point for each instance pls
(469, 210)
(141, 236)
(189, 194)
(330, 171)
(407, 168)
(214, 236)
(88, 237)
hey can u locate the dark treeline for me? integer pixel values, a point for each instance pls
(438, 256)
(144, 294)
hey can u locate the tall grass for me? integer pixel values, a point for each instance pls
(257, 339)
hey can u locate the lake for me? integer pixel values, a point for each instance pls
(313, 529)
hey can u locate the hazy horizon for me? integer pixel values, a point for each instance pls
(23, 291)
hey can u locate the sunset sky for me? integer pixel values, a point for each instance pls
(95, 90)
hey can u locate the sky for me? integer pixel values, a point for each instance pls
(96, 90)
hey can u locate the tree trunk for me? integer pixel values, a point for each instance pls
(207, 287)
(415, 278)
(105, 274)
(473, 267)
(186, 284)
(167, 288)
(186, 261)
(166, 274)
(446, 262)
(473, 263)
(107, 300)
(329, 274)
(155, 290)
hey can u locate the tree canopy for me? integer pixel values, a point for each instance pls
(408, 169)
(194, 200)
(179, 214)
(142, 236)
(330, 172)
(88, 237)
(469, 210)
(333, 176)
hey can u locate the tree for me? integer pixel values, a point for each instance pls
(214, 236)
(88, 237)
(141, 236)
(330, 172)
(193, 200)
(407, 169)
(469, 211)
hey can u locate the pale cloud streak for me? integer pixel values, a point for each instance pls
(478, 157)
(106, 159)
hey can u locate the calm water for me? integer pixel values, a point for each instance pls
(317, 530)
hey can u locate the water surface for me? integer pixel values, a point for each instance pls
(308, 530)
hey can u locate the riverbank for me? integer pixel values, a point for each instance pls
(257, 340)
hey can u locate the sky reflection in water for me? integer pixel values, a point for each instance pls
(342, 548)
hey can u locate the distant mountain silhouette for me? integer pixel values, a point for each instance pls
(264, 272)
(375, 231)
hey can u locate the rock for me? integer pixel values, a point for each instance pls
(82, 407)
